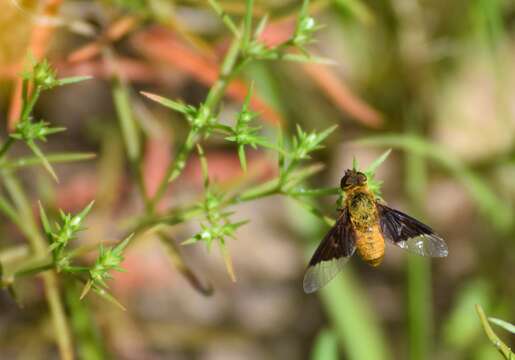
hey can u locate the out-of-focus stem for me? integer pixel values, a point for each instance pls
(226, 19)
(499, 345)
(30, 229)
(129, 126)
(353, 319)
(34, 270)
(247, 25)
(418, 268)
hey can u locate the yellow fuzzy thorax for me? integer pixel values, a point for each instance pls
(360, 203)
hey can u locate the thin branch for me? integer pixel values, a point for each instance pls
(247, 25)
(38, 244)
(226, 19)
(499, 345)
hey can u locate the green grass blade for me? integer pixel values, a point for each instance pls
(504, 324)
(126, 119)
(353, 320)
(86, 331)
(371, 169)
(326, 346)
(420, 307)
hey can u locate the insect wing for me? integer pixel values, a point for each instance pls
(333, 252)
(410, 234)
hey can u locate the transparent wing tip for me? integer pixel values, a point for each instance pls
(317, 276)
(310, 283)
(426, 245)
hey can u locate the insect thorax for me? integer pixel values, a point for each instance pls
(362, 209)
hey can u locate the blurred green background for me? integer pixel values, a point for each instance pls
(433, 80)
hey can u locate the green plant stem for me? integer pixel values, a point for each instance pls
(38, 244)
(326, 346)
(226, 19)
(130, 131)
(419, 306)
(174, 253)
(213, 98)
(52, 158)
(14, 253)
(492, 336)
(254, 193)
(28, 107)
(283, 177)
(6, 280)
(358, 329)
(315, 192)
(90, 344)
(227, 73)
(34, 270)
(272, 187)
(178, 162)
(128, 125)
(247, 25)
(179, 215)
(228, 70)
(418, 268)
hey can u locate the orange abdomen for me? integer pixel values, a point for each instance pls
(370, 245)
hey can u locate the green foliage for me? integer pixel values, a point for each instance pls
(65, 231)
(354, 327)
(373, 183)
(305, 143)
(42, 77)
(28, 132)
(503, 324)
(245, 135)
(108, 259)
(83, 324)
(305, 28)
(217, 225)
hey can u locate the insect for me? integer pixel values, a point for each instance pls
(363, 224)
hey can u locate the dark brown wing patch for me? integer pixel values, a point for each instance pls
(410, 234)
(332, 253)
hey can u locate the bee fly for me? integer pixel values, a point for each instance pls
(364, 224)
